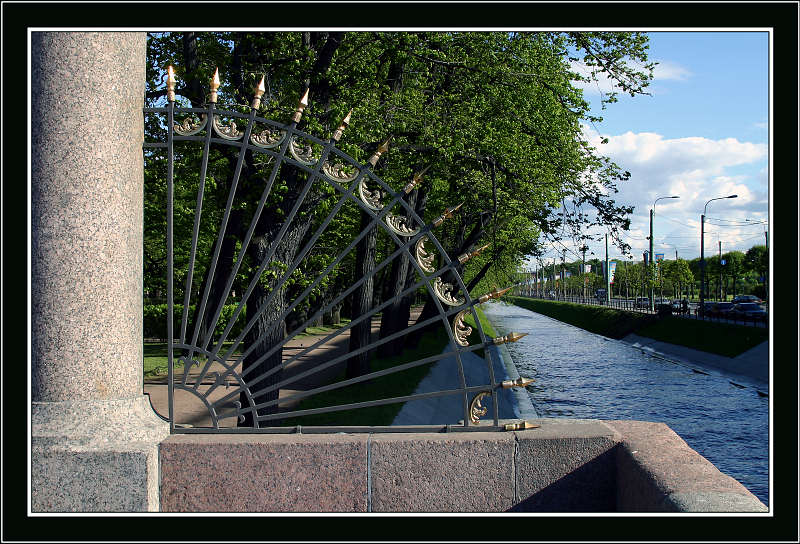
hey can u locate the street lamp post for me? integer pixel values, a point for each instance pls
(702, 254)
(649, 274)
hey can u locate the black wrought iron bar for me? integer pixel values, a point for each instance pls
(267, 259)
(329, 363)
(463, 288)
(315, 429)
(211, 411)
(245, 245)
(195, 233)
(218, 249)
(401, 247)
(294, 265)
(370, 376)
(341, 297)
(170, 265)
(367, 404)
(249, 325)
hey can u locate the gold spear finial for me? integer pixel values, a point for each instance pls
(467, 256)
(259, 93)
(497, 293)
(214, 86)
(519, 382)
(511, 337)
(343, 125)
(448, 213)
(416, 180)
(383, 148)
(170, 84)
(521, 426)
(298, 113)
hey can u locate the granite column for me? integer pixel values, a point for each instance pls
(94, 435)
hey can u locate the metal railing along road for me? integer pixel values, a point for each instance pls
(641, 304)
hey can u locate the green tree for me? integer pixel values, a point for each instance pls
(756, 260)
(495, 116)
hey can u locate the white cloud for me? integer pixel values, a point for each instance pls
(696, 169)
(666, 70)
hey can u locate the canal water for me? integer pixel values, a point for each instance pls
(584, 375)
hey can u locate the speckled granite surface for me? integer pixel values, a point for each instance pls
(87, 198)
(94, 436)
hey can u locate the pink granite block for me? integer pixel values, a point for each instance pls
(466, 472)
(566, 466)
(658, 471)
(264, 473)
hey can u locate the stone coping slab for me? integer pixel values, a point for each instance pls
(564, 465)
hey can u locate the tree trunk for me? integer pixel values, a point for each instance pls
(395, 316)
(269, 331)
(358, 365)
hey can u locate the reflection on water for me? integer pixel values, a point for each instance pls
(583, 375)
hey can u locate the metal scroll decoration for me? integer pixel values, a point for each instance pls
(444, 291)
(228, 131)
(424, 259)
(302, 151)
(461, 330)
(338, 173)
(476, 409)
(399, 225)
(268, 138)
(371, 198)
(191, 125)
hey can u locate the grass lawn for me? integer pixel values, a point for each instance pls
(597, 319)
(720, 338)
(155, 353)
(395, 385)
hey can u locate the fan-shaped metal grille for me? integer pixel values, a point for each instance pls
(212, 358)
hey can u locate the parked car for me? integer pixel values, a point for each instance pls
(720, 309)
(746, 298)
(748, 310)
(642, 302)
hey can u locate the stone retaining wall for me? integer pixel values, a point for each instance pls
(564, 466)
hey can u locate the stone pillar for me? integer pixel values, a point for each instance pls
(94, 435)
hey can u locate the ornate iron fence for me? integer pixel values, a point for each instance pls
(247, 398)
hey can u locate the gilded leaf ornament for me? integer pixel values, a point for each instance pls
(371, 198)
(399, 225)
(302, 152)
(444, 291)
(226, 131)
(460, 329)
(338, 172)
(190, 126)
(268, 138)
(424, 259)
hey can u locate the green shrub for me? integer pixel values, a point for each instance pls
(155, 320)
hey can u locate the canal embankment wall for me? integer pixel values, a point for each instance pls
(563, 465)
(751, 365)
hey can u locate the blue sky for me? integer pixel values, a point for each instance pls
(703, 133)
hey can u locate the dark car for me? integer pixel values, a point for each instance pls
(747, 298)
(720, 309)
(748, 310)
